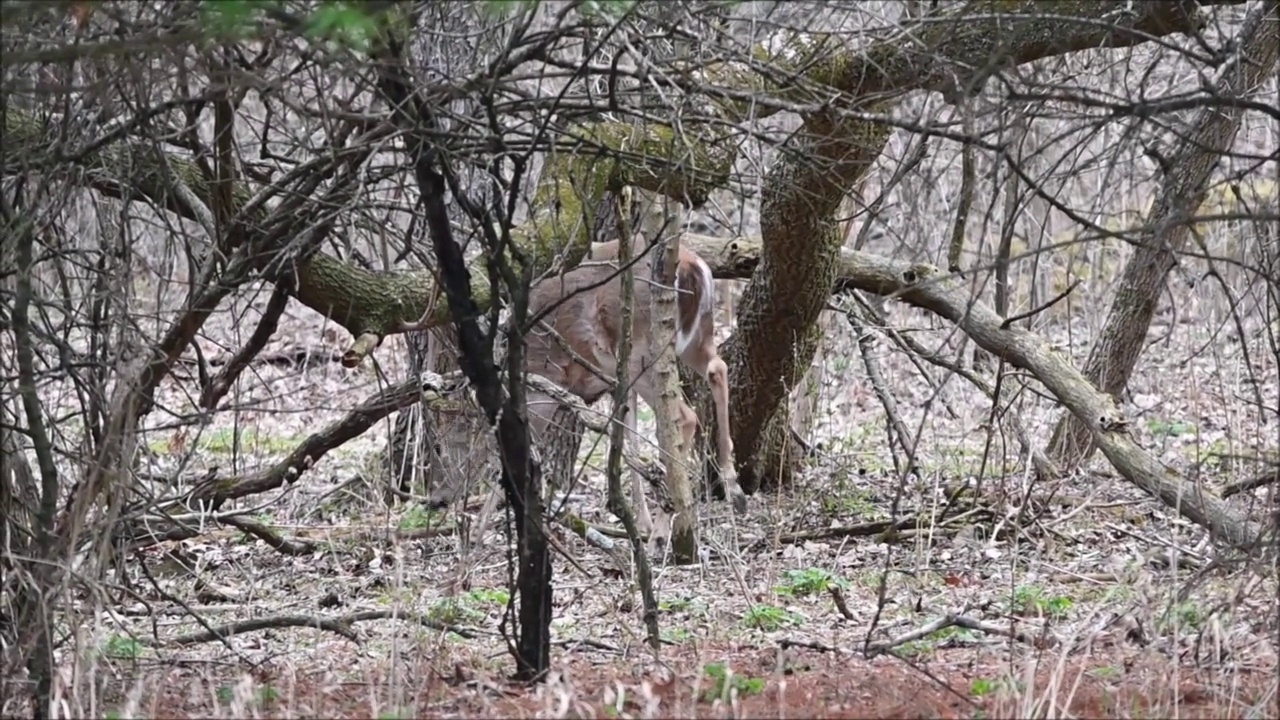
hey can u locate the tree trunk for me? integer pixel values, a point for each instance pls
(419, 458)
(675, 456)
(1118, 346)
(776, 337)
(449, 38)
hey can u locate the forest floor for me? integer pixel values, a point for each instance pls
(1087, 599)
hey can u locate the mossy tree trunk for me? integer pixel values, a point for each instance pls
(776, 336)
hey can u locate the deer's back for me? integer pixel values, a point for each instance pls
(588, 320)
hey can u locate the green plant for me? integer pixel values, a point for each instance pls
(1032, 600)
(954, 633)
(770, 618)
(724, 681)
(677, 635)
(417, 517)
(223, 441)
(344, 23)
(691, 606)
(488, 596)
(1108, 672)
(809, 581)
(267, 694)
(856, 502)
(915, 648)
(123, 647)
(982, 686)
(261, 696)
(1183, 616)
(1170, 428)
(453, 611)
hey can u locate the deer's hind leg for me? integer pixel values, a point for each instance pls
(717, 375)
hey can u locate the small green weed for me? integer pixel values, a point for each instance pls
(928, 645)
(488, 596)
(725, 681)
(982, 686)
(677, 635)
(454, 611)
(1106, 672)
(417, 517)
(809, 581)
(859, 503)
(1031, 600)
(1185, 616)
(123, 647)
(770, 618)
(916, 648)
(263, 695)
(691, 606)
(1170, 428)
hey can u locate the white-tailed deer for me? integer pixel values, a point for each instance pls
(588, 322)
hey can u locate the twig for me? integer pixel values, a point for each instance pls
(787, 643)
(226, 377)
(222, 632)
(412, 617)
(897, 428)
(166, 595)
(317, 445)
(1037, 310)
(890, 529)
(617, 502)
(1044, 640)
(915, 350)
(875, 316)
(572, 643)
(1253, 483)
(339, 626)
(273, 539)
(837, 596)
(956, 247)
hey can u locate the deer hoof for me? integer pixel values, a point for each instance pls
(735, 495)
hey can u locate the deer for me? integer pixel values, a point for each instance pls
(587, 319)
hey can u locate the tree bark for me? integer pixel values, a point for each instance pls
(663, 323)
(775, 343)
(1116, 350)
